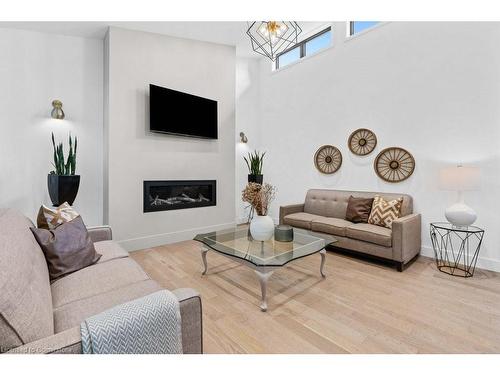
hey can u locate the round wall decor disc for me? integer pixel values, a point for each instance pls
(362, 141)
(328, 159)
(394, 164)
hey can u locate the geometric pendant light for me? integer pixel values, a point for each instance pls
(269, 38)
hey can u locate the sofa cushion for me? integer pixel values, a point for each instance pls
(97, 279)
(329, 203)
(330, 225)
(109, 250)
(25, 299)
(73, 313)
(333, 203)
(370, 233)
(300, 219)
(67, 248)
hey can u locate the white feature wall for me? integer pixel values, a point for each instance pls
(431, 88)
(133, 154)
(36, 68)
(247, 121)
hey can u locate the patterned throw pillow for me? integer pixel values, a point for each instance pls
(51, 218)
(385, 212)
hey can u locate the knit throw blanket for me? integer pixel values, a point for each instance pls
(148, 325)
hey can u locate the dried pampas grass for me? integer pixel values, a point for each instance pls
(259, 196)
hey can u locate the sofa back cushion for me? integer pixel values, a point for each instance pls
(333, 203)
(26, 312)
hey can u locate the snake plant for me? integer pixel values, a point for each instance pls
(63, 168)
(255, 162)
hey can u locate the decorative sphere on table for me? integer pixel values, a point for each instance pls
(262, 228)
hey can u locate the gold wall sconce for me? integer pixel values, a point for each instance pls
(243, 138)
(57, 111)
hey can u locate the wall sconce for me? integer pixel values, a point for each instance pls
(243, 138)
(57, 111)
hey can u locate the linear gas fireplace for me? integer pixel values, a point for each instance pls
(175, 195)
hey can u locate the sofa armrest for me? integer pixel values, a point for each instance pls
(101, 233)
(65, 342)
(406, 237)
(192, 323)
(290, 209)
(69, 341)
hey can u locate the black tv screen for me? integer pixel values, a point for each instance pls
(175, 112)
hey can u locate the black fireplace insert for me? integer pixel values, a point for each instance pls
(175, 195)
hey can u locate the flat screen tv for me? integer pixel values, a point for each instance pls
(175, 112)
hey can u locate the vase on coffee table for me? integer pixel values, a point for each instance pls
(262, 228)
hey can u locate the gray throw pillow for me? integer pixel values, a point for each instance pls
(67, 248)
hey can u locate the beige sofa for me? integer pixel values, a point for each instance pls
(323, 213)
(39, 317)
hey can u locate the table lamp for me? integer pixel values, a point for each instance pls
(460, 179)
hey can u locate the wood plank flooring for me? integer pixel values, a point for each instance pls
(361, 307)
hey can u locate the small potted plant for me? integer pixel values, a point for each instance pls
(255, 161)
(260, 197)
(62, 182)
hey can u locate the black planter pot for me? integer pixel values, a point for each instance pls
(258, 178)
(63, 188)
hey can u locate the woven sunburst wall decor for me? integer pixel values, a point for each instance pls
(362, 142)
(394, 164)
(328, 159)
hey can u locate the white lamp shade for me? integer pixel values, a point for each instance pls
(460, 178)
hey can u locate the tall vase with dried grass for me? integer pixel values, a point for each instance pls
(260, 198)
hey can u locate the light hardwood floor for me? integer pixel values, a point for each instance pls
(361, 307)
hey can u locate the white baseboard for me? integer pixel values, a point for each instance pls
(168, 238)
(241, 220)
(482, 262)
(172, 237)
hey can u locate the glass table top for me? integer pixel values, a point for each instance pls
(238, 243)
(451, 227)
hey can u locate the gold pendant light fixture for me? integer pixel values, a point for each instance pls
(270, 38)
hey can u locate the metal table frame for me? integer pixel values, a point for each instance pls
(456, 261)
(263, 272)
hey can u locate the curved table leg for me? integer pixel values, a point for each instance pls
(263, 277)
(204, 252)
(323, 258)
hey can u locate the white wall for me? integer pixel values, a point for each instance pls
(432, 88)
(136, 59)
(36, 68)
(247, 120)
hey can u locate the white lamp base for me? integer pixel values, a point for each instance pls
(460, 215)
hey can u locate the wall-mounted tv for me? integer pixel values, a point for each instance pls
(175, 112)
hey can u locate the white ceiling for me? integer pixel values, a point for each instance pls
(230, 33)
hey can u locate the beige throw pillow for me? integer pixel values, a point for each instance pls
(51, 218)
(384, 212)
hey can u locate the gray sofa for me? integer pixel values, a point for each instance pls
(39, 317)
(323, 213)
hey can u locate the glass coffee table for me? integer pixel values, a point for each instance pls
(264, 257)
